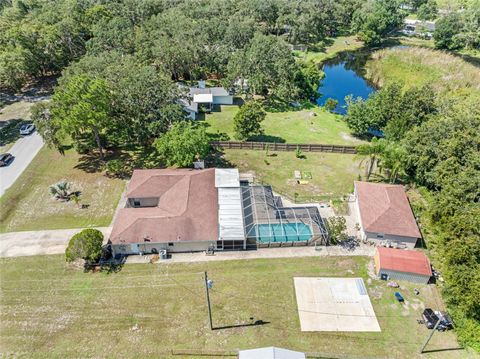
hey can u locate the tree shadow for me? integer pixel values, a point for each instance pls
(10, 132)
(216, 158)
(267, 138)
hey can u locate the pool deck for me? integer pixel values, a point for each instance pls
(286, 252)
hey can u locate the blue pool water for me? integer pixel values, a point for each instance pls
(286, 232)
(342, 79)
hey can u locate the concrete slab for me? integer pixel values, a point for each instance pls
(334, 305)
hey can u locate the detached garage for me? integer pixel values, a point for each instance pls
(401, 264)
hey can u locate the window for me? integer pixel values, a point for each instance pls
(136, 203)
(170, 244)
(379, 235)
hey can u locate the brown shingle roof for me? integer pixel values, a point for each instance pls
(384, 208)
(187, 209)
(402, 260)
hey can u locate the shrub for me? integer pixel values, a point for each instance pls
(337, 229)
(60, 190)
(331, 104)
(86, 245)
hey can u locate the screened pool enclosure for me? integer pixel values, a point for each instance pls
(267, 221)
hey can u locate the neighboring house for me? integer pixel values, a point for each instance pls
(401, 264)
(385, 215)
(188, 210)
(418, 27)
(270, 353)
(204, 98)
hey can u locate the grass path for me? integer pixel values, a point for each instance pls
(292, 126)
(50, 310)
(27, 205)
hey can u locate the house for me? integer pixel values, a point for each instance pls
(402, 264)
(270, 353)
(385, 215)
(189, 210)
(204, 98)
(418, 27)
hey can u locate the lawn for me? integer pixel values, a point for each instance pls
(27, 205)
(144, 310)
(331, 48)
(332, 174)
(292, 126)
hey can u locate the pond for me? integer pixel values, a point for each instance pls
(343, 77)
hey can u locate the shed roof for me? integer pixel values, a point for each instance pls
(187, 208)
(270, 353)
(384, 208)
(203, 98)
(403, 260)
(214, 91)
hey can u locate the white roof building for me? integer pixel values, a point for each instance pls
(270, 353)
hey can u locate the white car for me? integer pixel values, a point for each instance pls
(27, 129)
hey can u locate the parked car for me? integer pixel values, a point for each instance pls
(5, 159)
(445, 321)
(27, 129)
(430, 318)
(399, 297)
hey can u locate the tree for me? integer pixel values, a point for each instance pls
(182, 143)
(428, 10)
(447, 32)
(81, 106)
(371, 153)
(247, 121)
(331, 104)
(337, 229)
(269, 66)
(376, 18)
(60, 190)
(86, 245)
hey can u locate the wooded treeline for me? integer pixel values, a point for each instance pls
(432, 141)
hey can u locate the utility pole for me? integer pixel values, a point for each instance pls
(208, 285)
(429, 336)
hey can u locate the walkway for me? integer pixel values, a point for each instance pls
(18, 244)
(286, 252)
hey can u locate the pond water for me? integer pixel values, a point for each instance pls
(343, 77)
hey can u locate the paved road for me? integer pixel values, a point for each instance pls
(18, 244)
(24, 151)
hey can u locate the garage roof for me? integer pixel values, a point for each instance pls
(402, 260)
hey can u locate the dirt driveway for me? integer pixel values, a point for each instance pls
(17, 244)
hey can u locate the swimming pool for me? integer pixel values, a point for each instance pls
(282, 232)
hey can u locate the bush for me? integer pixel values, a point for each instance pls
(330, 104)
(86, 245)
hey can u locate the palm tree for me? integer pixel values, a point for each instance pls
(371, 153)
(393, 159)
(60, 190)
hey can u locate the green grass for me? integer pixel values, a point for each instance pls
(27, 205)
(49, 310)
(332, 174)
(418, 66)
(290, 127)
(330, 49)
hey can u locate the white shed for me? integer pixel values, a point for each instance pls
(270, 353)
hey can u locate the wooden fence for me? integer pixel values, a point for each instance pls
(272, 146)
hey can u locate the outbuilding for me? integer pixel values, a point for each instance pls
(270, 353)
(402, 264)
